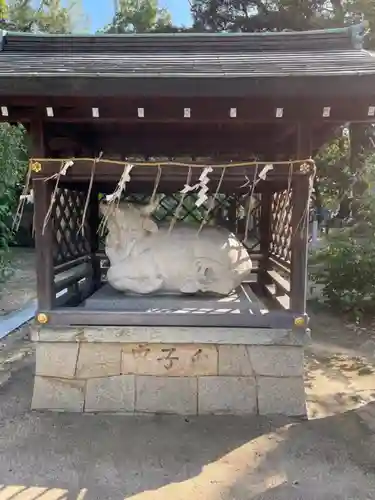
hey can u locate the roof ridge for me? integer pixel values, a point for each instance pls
(345, 29)
(327, 39)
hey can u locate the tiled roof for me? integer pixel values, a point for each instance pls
(189, 65)
(326, 52)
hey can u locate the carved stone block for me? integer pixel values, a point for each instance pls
(98, 360)
(172, 360)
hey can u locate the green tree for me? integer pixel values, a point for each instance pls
(3, 10)
(140, 16)
(13, 166)
(259, 15)
(50, 16)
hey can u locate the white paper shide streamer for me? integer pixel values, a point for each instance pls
(201, 187)
(66, 166)
(263, 173)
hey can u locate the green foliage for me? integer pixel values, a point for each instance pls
(13, 166)
(333, 171)
(345, 266)
(140, 16)
(340, 174)
(258, 15)
(49, 16)
(346, 269)
(3, 9)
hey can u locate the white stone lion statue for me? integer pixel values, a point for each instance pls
(147, 258)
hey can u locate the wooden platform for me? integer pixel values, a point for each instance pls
(241, 301)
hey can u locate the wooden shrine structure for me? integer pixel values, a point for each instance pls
(171, 102)
(254, 107)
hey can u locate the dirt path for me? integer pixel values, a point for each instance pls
(51, 456)
(21, 287)
(340, 366)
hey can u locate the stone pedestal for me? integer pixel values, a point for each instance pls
(185, 371)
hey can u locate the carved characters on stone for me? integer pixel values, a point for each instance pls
(146, 258)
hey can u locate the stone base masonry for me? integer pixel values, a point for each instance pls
(169, 370)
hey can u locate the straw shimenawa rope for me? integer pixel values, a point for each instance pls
(125, 177)
(181, 164)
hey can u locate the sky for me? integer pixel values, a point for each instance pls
(100, 11)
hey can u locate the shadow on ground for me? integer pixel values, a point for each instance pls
(49, 456)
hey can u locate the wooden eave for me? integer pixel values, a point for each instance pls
(323, 63)
(101, 85)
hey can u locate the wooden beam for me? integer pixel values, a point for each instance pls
(268, 86)
(203, 110)
(43, 239)
(78, 316)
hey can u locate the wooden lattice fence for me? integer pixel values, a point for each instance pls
(281, 226)
(70, 241)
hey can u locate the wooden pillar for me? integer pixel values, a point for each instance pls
(43, 240)
(300, 225)
(299, 243)
(94, 238)
(265, 236)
